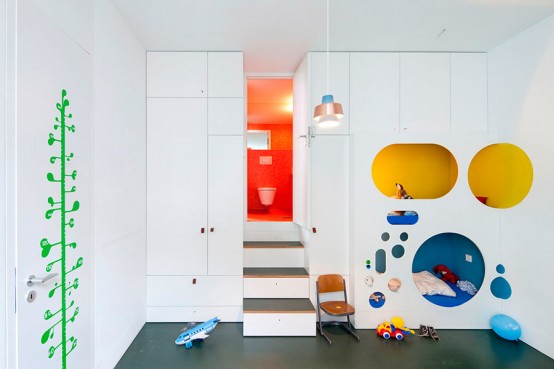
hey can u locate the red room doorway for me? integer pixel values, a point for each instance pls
(269, 148)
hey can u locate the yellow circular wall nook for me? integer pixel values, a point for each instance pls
(500, 175)
(426, 171)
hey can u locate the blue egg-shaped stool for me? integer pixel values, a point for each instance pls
(505, 327)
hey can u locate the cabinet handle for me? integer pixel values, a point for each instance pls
(314, 229)
(202, 230)
(212, 230)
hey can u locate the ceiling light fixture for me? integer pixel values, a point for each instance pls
(328, 113)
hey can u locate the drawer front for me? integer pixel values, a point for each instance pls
(276, 288)
(193, 291)
(169, 314)
(279, 324)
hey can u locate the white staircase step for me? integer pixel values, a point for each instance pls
(274, 254)
(279, 317)
(276, 283)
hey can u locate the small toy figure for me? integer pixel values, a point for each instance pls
(396, 329)
(446, 274)
(401, 192)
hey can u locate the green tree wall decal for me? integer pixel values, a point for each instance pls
(61, 210)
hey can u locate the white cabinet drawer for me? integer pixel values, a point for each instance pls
(193, 313)
(276, 287)
(279, 324)
(193, 291)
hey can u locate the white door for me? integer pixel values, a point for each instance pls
(53, 197)
(177, 186)
(225, 204)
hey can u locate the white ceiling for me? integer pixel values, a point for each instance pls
(276, 34)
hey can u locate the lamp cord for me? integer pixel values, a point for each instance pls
(327, 91)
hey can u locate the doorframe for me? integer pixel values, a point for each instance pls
(247, 76)
(9, 181)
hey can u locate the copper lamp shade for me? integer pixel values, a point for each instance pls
(328, 107)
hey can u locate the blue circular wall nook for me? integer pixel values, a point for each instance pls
(500, 288)
(385, 236)
(500, 269)
(453, 265)
(398, 251)
(506, 327)
(403, 236)
(377, 300)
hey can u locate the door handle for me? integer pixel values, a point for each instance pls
(212, 230)
(32, 279)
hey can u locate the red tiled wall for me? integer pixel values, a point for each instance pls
(278, 175)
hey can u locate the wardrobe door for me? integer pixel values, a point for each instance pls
(177, 74)
(176, 186)
(225, 204)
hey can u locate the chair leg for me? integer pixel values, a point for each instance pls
(325, 335)
(318, 309)
(320, 327)
(350, 329)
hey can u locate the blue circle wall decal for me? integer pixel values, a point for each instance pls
(398, 251)
(500, 269)
(500, 288)
(385, 236)
(404, 236)
(377, 299)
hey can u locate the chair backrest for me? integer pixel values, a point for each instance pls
(330, 283)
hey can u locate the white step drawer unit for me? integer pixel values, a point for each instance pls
(276, 287)
(279, 317)
(279, 324)
(273, 257)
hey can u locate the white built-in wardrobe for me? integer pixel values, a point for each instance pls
(195, 185)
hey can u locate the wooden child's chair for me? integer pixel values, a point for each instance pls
(330, 283)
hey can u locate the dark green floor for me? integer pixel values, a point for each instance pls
(154, 348)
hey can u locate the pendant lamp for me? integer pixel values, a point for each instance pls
(328, 113)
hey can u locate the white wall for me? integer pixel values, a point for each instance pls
(119, 185)
(3, 317)
(521, 96)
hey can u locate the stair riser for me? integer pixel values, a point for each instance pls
(279, 324)
(276, 288)
(273, 258)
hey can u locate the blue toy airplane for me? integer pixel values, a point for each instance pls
(198, 332)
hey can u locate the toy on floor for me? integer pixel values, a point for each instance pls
(394, 329)
(428, 331)
(198, 332)
(506, 327)
(446, 274)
